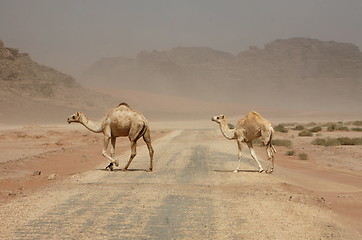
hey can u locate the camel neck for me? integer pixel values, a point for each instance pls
(226, 131)
(92, 125)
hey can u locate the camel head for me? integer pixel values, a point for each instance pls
(218, 119)
(76, 117)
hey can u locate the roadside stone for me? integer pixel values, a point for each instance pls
(52, 176)
(36, 173)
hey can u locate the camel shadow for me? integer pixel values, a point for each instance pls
(120, 170)
(241, 170)
(132, 170)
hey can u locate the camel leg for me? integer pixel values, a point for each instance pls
(104, 152)
(272, 164)
(267, 136)
(253, 155)
(133, 154)
(113, 150)
(240, 154)
(274, 150)
(147, 139)
(270, 151)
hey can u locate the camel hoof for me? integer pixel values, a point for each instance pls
(124, 169)
(237, 170)
(110, 167)
(262, 170)
(149, 170)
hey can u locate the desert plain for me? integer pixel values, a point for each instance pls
(53, 185)
(53, 182)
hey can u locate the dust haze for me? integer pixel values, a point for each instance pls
(221, 56)
(179, 63)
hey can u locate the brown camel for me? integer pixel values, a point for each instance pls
(121, 121)
(252, 126)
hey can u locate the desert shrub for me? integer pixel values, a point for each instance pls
(337, 141)
(298, 127)
(281, 128)
(358, 141)
(346, 141)
(357, 129)
(290, 153)
(350, 141)
(326, 142)
(315, 129)
(319, 141)
(342, 128)
(258, 142)
(276, 142)
(282, 142)
(331, 127)
(305, 133)
(303, 156)
(357, 123)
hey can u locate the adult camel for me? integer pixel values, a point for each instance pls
(252, 126)
(121, 121)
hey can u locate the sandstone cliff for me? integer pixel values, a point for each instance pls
(289, 74)
(35, 92)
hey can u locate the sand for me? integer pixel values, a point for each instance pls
(39, 158)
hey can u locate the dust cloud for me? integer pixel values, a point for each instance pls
(181, 60)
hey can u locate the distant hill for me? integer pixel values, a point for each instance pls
(298, 76)
(30, 92)
(289, 74)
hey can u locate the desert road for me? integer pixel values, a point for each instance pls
(191, 194)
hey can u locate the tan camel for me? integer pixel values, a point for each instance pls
(252, 126)
(121, 121)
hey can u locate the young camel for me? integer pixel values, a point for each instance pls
(122, 121)
(252, 126)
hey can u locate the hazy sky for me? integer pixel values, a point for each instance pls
(70, 35)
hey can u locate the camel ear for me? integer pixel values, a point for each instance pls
(222, 116)
(78, 114)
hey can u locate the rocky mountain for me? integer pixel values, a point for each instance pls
(296, 73)
(303, 62)
(33, 92)
(164, 72)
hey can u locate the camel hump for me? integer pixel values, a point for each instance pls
(253, 113)
(124, 104)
